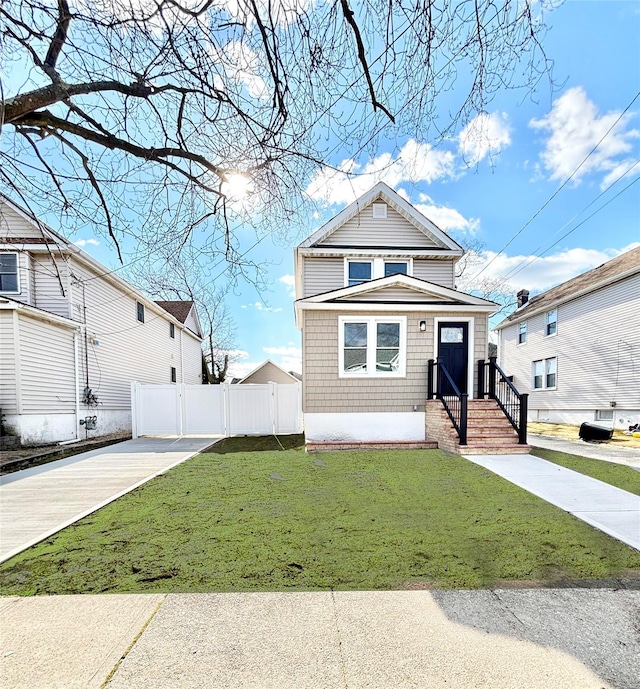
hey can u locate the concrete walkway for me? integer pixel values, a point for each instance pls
(610, 509)
(537, 638)
(603, 451)
(36, 503)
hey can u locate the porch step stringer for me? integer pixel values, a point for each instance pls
(488, 430)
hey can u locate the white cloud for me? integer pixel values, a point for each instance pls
(85, 242)
(487, 134)
(543, 273)
(448, 218)
(289, 281)
(415, 163)
(575, 127)
(259, 306)
(289, 357)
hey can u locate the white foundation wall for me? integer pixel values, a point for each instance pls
(42, 429)
(622, 418)
(364, 427)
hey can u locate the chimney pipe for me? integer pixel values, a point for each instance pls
(523, 297)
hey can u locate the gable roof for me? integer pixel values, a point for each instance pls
(178, 309)
(264, 364)
(434, 297)
(616, 269)
(383, 192)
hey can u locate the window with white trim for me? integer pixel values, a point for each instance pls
(604, 414)
(372, 346)
(551, 323)
(395, 267)
(9, 273)
(522, 332)
(544, 373)
(358, 272)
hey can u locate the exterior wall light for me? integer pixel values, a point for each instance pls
(423, 326)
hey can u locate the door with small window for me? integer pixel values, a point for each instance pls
(453, 354)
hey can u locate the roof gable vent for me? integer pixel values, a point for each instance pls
(379, 210)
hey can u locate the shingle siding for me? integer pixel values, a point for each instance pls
(325, 391)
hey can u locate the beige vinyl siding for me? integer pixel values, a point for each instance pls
(190, 322)
(12, 224)
(46, 368)
(596, 346)
(127, 350)
(439, 272)
(8, 364)
(320, 275)
(51, 284)
(324, 391)
(391, 294)
(268, 373)
(366, 231)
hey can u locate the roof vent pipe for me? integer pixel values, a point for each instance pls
(523, 297)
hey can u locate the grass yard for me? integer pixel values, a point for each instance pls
(616, 475)
(283, 520)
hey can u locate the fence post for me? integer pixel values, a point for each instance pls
(430, 379)
(524, 412)
(273, 407)
(463, 418)
(492, 377)
(226, 405)
(480, 379)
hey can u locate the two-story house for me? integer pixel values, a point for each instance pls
(376, 301)
(576, 347)
(74, 336)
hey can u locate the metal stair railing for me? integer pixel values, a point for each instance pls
(494, 384)
(455, 403)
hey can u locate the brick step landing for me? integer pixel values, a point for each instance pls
(371, 445)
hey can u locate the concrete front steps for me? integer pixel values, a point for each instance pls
(488, 430)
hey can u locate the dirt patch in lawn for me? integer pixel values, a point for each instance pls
(568, 432)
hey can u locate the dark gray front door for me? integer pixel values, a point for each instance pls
(453, 353)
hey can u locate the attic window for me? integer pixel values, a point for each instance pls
(379, 210)
(140, 311)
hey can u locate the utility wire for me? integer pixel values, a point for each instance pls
(558, 190)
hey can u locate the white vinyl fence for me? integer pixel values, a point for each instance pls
(225, 409)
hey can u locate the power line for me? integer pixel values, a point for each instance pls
(557, 191)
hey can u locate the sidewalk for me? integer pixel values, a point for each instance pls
(36, 503)
(604, 451)
(610, 509)
(536, 638)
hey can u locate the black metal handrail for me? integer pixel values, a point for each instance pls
(494, 384)
(454, 402)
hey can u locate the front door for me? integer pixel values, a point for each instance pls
(453, 354)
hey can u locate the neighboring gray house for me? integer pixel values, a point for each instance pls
(74, 336)
(576, 347)
(376, 300)
(268, 372)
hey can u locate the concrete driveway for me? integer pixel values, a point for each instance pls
(36, 503)
(536, 638)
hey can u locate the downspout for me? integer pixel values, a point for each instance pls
(77, 377)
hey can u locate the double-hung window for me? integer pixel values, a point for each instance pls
(140, 311)
(372, 346)
(551, 323)
(9, 273)
(359, 271)
(393, 268)
(522, 333)
(544, 373)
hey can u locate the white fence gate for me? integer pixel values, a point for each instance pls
(215, 409)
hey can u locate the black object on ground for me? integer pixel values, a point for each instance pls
(590, 433)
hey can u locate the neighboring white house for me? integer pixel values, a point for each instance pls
(376, 300)
(268, 372)
(74, 336)
(576, 347)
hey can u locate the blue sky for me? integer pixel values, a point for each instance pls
(487, 188)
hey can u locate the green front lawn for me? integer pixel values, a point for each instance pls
(285, 520)
(616, 475)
